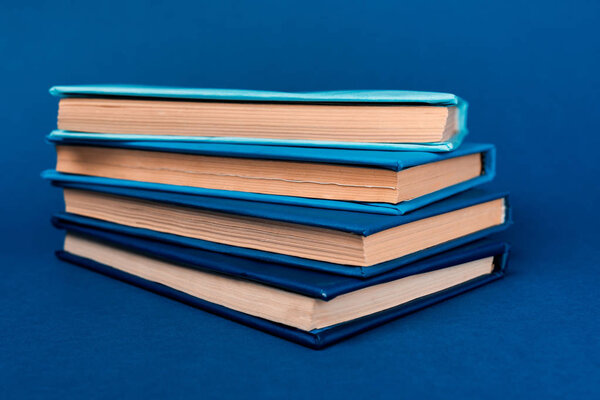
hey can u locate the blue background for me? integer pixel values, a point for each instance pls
(531, 73)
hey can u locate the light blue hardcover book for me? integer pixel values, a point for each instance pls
(402, 134)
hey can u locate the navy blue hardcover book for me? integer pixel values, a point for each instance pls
(354, 223)
(312, 284)
(376, 160)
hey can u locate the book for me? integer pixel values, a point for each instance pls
(305, 306)
(343, 116)
(312, 283)
(373, 208)
(325, 235)
(191, 248)
(365, 176)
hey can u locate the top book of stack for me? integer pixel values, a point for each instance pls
(385, 120)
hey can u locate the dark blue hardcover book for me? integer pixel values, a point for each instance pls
(351, 225)
(354, 224)
(384, 160)
(81, 224)
(318, 285)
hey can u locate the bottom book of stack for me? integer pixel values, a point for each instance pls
(312, 308)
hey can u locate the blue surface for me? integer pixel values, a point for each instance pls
(529, 72)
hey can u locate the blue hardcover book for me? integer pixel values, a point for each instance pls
(341, 242)
(409, 186)
(136, 260)
(356, 119)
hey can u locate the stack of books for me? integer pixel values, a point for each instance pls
(311, 216)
